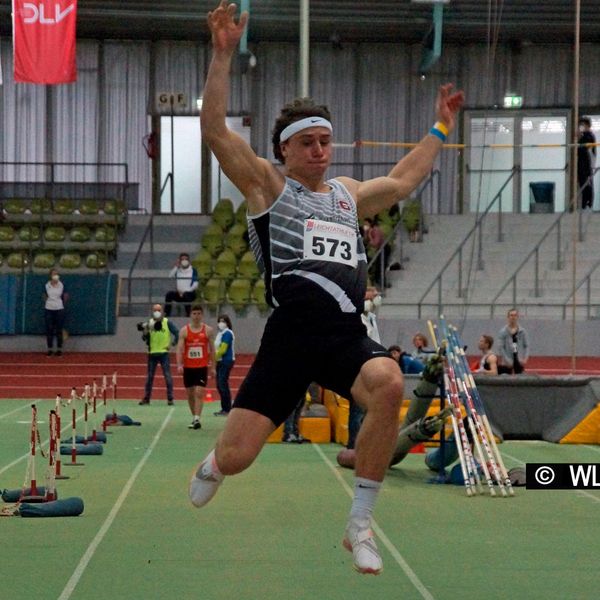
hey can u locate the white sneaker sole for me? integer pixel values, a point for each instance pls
(364, 570)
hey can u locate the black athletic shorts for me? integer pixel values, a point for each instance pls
(295, 351)
(194, 377)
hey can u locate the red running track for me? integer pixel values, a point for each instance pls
(35, 375)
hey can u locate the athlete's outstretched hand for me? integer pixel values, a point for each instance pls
(448, 104)
(226, 33)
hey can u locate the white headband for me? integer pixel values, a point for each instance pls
(297, 126)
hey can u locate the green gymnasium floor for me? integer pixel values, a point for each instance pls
(274, 532)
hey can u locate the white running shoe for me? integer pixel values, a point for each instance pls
(360, 540)
(204, 484)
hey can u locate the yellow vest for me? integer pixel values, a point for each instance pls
(160, 340)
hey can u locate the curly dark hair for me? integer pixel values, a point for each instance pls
(298, 109)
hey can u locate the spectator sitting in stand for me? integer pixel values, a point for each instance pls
(408, 364)
(421, 351)
(488, 363)
(374, 240)
(186, 278)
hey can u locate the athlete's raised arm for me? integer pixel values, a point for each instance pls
(255, 177)
(380, 193)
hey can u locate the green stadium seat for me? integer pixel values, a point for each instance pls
(213, 293)
(80, 234)
(258, 296)
(203, 264)
(7, 233)
(247, 266)
(234, 240)
(114, 207)
(225, 265)
(39, 206)
(64, 206)
(44, 260)
(70, 260)
(238, 230)
(13, 206)
(223, 213)
(238, 294)
(17, 260)
(88, 207)
(240, 214)
(212, 240)
(96, 260)
(54, 233)
(29, 233)
(104, 233)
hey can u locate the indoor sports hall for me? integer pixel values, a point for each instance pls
(121, 211)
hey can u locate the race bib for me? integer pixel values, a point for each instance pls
(331, 242)
(195, 352)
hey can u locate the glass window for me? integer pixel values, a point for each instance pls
(489, 168)
(544, 164)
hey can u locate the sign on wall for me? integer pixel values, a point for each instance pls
(44, 35)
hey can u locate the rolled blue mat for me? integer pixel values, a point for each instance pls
(79, 439)
(14, 495)
(122, 420)
(69, 507)
(82, 449)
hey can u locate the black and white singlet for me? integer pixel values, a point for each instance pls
(309, 247)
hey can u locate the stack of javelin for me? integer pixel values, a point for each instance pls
(483, 460)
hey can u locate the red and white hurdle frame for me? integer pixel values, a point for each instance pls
(32, 442)
(74, 462)
(58, 463)
(52, 453)
(94, 417)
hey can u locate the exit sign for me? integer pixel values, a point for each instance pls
(513, 101)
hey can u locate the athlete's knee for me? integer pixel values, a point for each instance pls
(233, 458)
(391, 391)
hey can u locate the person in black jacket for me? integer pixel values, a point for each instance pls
(586, 161)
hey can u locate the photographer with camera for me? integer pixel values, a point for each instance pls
(158, 333)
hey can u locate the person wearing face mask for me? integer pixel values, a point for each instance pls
(55, 298)
(159, 333)
(186, 279)
(225, 355)
(586, 161)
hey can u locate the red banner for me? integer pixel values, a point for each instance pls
(44, 41)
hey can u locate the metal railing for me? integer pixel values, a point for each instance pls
(476, 229)
(587, 281)
(535, 253)
(149, 231)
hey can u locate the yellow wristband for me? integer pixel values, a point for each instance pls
(439, 125)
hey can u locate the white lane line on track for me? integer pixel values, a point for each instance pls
(12, 412)
(425, 593)
(89, 553)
